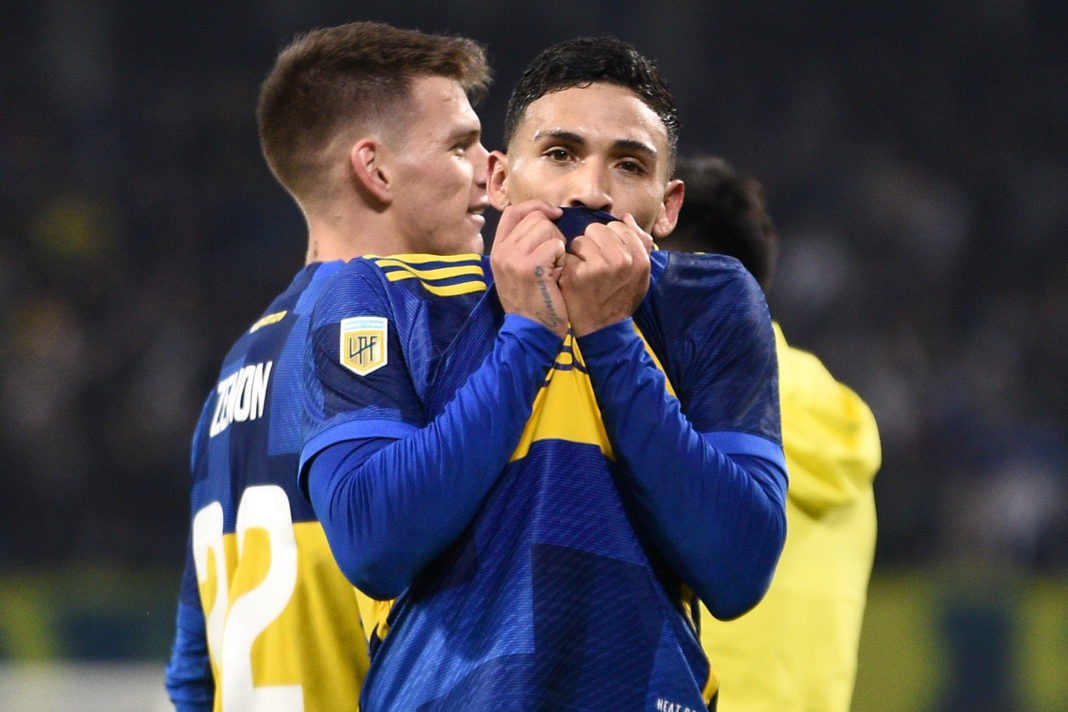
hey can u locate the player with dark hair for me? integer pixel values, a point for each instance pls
(369, 128)
(584, 61)
(543, 461)
(727, 214)
(797, 650)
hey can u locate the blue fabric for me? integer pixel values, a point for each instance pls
(551, 578)
(236, 445)
(576, 219)
(548, 601)
(719, 520)
(394, 506)
(188, 675)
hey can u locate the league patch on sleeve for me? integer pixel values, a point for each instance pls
(363, 344)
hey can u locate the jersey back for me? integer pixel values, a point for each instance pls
(281, 620)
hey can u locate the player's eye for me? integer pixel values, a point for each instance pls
(465, 143)
(629, 166)
(559, 155)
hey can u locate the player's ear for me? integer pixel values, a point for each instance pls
(498, 180)
(669, 210)
(367, 160)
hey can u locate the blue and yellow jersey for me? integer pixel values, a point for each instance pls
(266, 619)
(551, 597)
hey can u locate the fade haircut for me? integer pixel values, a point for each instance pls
(351, 75)
(725, 212)
(588, 60)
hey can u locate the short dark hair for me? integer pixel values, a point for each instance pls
(358, 72)
(725, 212)
(588, 60)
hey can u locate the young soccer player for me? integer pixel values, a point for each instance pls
(547, 461)
(371, 131)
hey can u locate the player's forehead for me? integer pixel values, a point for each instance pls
(440, 105)
(609, 114)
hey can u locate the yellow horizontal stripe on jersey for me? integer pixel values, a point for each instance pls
(564, 359)
(432, 273)
(441, 290)
(414, 258)
(566, 407)
(408, 267)
(417, 266)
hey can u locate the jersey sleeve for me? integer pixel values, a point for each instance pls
(188, 675)
(707, 321)
(392, 486)
(829, 433)
(705, 468)
(346, 399)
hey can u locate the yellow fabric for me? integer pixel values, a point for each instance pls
(566, 391)
(312, 652)
(797, 649)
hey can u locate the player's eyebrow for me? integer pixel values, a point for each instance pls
(466, 138)
(623, 145)
(560, 135)
(465, 133)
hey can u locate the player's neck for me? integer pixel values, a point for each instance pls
(344, 238)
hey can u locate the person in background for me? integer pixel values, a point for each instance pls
(797, 650)
(266, 619)
(540, 455)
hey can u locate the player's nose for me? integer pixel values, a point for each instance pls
(480, 159)
(590, 187)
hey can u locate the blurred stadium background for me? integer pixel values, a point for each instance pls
(916, 162)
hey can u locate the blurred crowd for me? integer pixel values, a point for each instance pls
(914, 161)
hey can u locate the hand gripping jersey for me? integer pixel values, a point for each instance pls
(266, 620)
(561, 591)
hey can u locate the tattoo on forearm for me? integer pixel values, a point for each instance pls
(550, 318)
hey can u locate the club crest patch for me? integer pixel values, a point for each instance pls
(363, 344)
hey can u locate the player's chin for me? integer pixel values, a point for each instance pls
(469, 243)
(477, 244)
(474, 239)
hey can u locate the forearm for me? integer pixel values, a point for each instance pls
(717, 516)
(390, 506)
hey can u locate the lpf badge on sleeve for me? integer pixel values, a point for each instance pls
(363, 344)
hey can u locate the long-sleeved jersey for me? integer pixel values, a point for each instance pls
(543, 513)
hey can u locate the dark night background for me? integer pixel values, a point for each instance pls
(915, 157)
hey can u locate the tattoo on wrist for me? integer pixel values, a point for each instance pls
(550, 318)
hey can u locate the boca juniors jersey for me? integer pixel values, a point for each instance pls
(551, 598)
(261, 590)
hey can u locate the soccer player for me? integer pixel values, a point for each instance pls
(352, 119)
(544, 502)
(797, 650)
